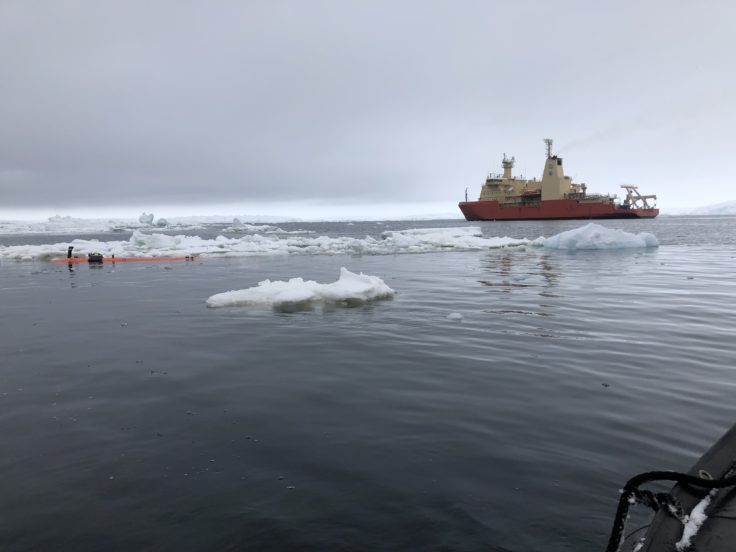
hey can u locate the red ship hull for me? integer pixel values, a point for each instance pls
(550, 209)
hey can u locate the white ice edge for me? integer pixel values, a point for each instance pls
(140, 244)
(71, 225)
(418, 240)
(595, 236)
(349, 288)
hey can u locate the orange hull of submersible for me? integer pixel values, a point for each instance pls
(79, 260)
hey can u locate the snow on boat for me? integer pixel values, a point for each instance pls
(697, 514)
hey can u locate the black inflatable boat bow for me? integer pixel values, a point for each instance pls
(631, 495)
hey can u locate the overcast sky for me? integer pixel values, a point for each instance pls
(300, 108)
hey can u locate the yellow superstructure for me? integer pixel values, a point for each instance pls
(506, 188)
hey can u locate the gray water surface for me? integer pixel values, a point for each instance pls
(133, 417)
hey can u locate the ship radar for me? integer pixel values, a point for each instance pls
(548, 141)
(508, 164)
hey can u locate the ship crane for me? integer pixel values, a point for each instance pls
(633, 197)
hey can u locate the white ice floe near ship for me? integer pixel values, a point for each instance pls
(462, 237)
(595, 236)
(350, 288)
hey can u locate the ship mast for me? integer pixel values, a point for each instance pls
(508, 164)
(548, 141)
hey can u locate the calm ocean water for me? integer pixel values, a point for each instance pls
(135, 418)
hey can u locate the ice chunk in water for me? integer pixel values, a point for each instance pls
(349, 288)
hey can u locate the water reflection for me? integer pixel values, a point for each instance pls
(513, 270)
(526, 287)
(73, 270)
(548, 272)
(72, 283)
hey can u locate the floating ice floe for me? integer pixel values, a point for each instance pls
(140, 244)
(239, 226)
(595, 236)
(464, 238)
(456, 316)
(146, 218)
(349, 288)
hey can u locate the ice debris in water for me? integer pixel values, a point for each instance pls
(350, 287)
(391, 242)
(146, 218)
(595, 236)
(455, 316)
(433, 239)
(239, 226)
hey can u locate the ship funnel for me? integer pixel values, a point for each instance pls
(508, 164)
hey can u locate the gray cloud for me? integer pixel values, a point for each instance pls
(140, 103)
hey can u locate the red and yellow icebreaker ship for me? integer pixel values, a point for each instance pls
(555, 196)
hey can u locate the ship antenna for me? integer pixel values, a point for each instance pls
(548, 141)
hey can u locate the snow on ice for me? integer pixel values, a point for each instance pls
(72, 225)
(239, 226)
(142, 244)
(146, 218)
(463, 237)
(595, 236)
(259, 240)
(349, 288)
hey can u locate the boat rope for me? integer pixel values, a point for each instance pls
(631, 494)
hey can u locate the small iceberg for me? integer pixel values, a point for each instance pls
(464, 238)
(240, 226)
(350, 288)
(146, 218)
(594, 236)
